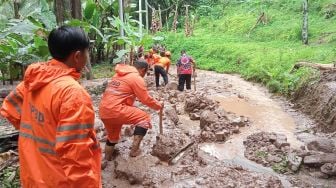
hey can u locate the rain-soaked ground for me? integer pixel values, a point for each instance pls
(213, 164)
(208, 162)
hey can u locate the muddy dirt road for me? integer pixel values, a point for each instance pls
(213, 162)
(234, 134)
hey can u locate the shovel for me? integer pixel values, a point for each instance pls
(194, 75)
(178, 155)
(160, 124)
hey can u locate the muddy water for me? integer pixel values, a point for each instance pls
(235, 95)
(247, 99)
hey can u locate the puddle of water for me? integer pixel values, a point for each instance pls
(265, 116)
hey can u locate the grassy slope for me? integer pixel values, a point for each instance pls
(269, 52)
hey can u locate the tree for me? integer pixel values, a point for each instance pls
(76, 9)
(305, 23)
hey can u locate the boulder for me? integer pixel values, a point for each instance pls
(322, 144)
(207, 118)
(320, 159)
(329, 168)
(294, 161)
(195, 116)
(172, 115)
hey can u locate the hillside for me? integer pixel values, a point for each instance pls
(224, 42)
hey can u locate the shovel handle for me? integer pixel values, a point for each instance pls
(160, 124)
(194, 82)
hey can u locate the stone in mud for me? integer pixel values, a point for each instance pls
(172, 115)
(132, 170)
(194, 116)
(239, 121)
(168, 144)
(329, 168)
(172, 86)
(179, 110)
(207, 118)
(320, 159)
(236, 130)
(220, 136)
(319, 175)
(273, 159)
(294, 161)
(322, 144)
(281, 141)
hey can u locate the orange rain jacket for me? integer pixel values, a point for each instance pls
(156, 58)
(164, 62)
(55, 117)
(124, 87)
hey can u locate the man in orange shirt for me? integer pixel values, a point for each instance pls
(116, 107)
(162, 68)
(55, 117)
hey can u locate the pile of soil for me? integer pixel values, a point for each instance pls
(215, 123)
(318, 100)
(316, 159)
(268, 149)
(194, 169)
(168, 144)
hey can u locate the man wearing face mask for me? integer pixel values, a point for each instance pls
(55, 117)
(116, 107)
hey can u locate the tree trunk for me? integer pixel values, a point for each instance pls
(16, 9)
(175, 19)
(59, 11)
(305, 23)
(76, 9)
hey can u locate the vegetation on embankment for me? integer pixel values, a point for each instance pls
(267, 53)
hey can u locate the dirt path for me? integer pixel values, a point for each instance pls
(208, 163)
(266, 113)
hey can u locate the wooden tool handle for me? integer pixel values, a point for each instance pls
(194, 81)
(160, 124)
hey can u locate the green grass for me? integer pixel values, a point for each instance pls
(269, 52)
(103, 70)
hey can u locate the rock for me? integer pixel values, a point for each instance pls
(281, 141)
(319, 175)
(179, 110)
(273, 159)
(194, 116)
(323, 144)
(172, 86)
(168, 144)
(294, 162)
(238, 121)
(172, 115)
(329, 169)
(236, 130)
(207, 117)
(320, 159)
(220, 136)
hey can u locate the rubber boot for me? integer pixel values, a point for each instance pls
(108, 152)
(135, 150)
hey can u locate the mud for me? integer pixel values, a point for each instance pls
(318, 100)
(218, 117)
(168, 144)
(268, 149)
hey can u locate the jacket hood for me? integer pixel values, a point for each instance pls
(122, 70)
(40, 74)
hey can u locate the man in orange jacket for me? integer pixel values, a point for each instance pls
(116, 107)
(55, 117)
(162, 68)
